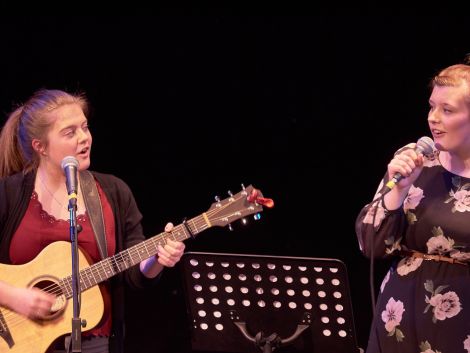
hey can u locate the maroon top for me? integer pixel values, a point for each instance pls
(39, 229)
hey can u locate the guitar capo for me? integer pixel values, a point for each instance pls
(185, 223)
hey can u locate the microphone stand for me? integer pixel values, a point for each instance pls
(76, 335)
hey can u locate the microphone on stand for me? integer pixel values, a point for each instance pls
(70, 166)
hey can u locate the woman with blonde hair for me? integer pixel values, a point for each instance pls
(34, 213)
(421, 216)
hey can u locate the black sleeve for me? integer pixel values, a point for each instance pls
(129, 230)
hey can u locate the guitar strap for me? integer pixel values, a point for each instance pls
(94, 210)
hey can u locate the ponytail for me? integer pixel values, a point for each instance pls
(11, 158)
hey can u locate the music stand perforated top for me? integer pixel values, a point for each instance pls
(271, 294)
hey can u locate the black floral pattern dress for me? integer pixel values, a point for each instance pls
(423, 305)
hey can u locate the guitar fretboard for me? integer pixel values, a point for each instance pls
(107, 268)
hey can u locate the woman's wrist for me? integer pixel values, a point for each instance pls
(395, 198)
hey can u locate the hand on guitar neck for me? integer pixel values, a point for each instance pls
(168, 255)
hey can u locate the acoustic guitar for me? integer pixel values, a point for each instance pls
(51, 271)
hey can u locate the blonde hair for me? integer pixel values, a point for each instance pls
(32, 120)
(454, 76)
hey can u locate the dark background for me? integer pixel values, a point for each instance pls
(189, 104)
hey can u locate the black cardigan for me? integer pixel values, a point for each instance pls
(15, 194)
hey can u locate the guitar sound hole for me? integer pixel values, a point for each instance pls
(50, 286)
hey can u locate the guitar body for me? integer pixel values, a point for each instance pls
(53, 263)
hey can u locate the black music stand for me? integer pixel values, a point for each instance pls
(250, 303)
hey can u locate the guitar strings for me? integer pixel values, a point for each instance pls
(199, 223)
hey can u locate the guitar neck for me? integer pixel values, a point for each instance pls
(111, 266)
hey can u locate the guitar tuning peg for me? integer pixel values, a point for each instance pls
(243, 186)
(230, 227)
(217, 198)
(229, 193)
(257, 216)
(244, 221)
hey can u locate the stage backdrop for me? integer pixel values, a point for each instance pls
(187, 105)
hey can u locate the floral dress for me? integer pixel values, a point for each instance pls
(423, 305)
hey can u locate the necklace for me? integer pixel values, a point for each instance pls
(50, 193)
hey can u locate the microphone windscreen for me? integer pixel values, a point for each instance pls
(69, 161)
(425, 145)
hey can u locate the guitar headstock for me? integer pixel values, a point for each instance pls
(246, 202)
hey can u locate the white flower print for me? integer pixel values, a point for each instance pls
(439, 245)
(384, 282)
(414, 197)
(378, 217)
(412, 200)
(466, 344)
(444, 306)
(392, 316)
(408, 264)
(461, 197)
(462, 200)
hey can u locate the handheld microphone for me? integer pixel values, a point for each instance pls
(425, 146)
(70, 166)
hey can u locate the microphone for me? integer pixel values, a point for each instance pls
(70, 166)
(425, 146)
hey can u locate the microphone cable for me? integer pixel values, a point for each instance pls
(374, 206)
